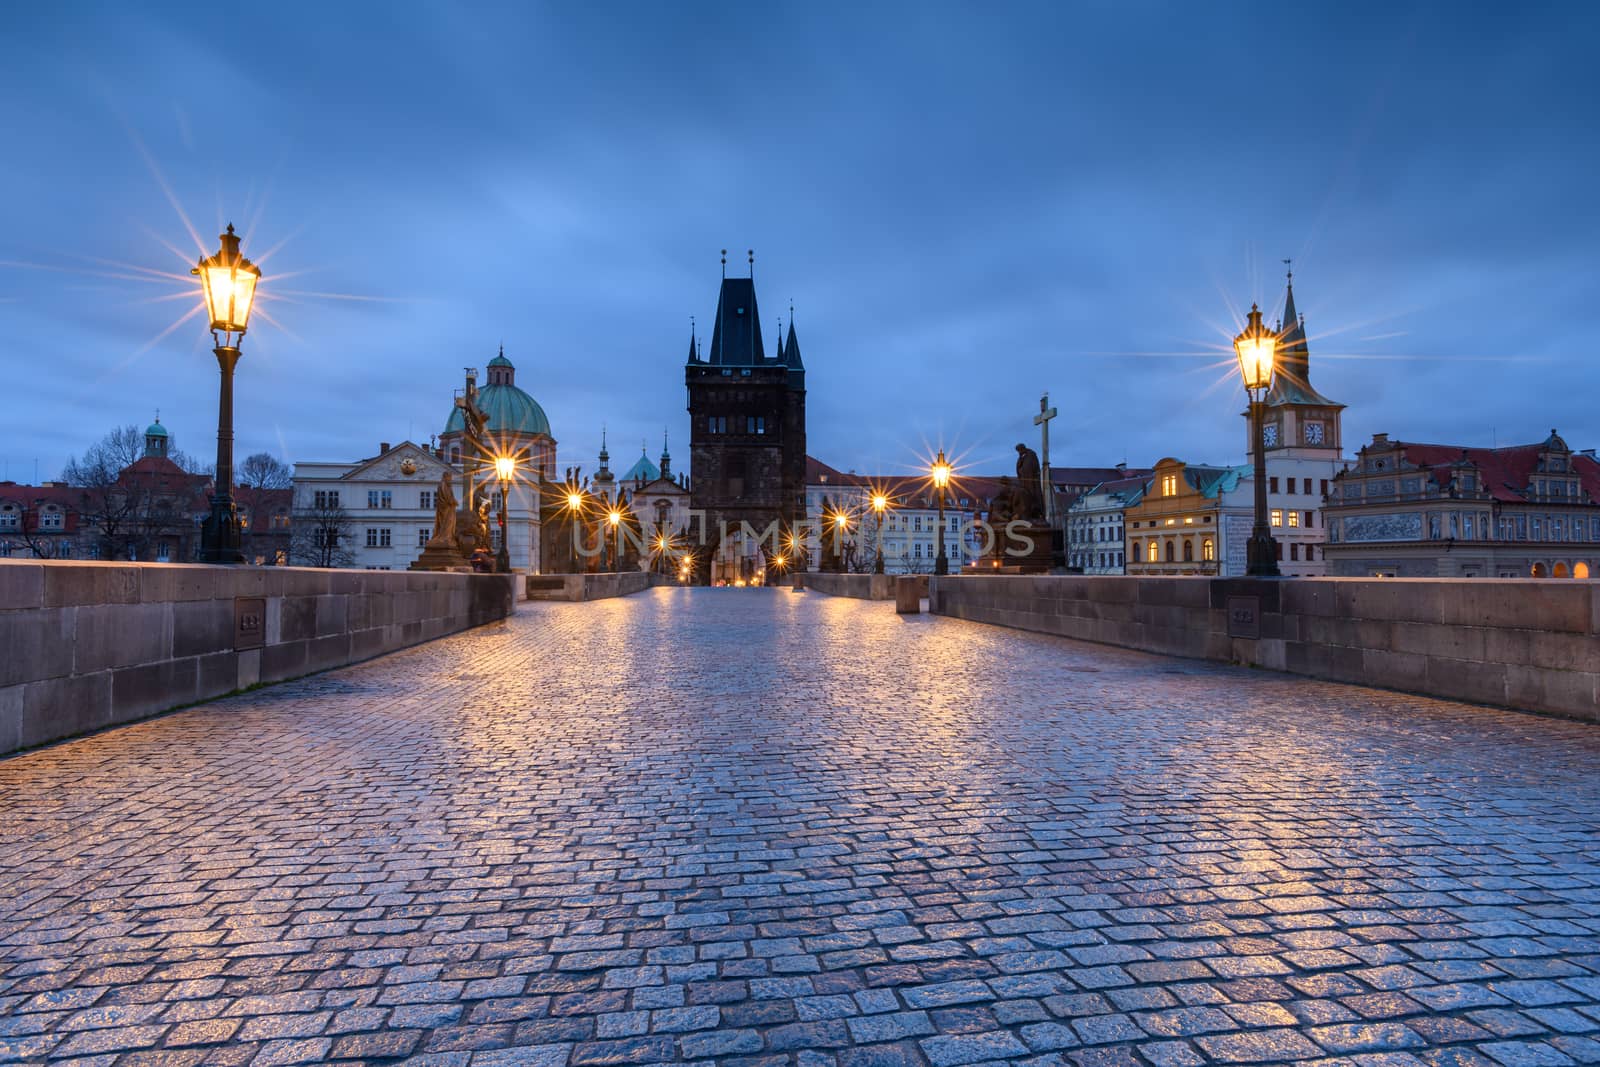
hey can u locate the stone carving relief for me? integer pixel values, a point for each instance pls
(1403, 527)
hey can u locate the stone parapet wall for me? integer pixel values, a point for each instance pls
(859, 586)
(86, 645)
(575, 587)
(1523, 644)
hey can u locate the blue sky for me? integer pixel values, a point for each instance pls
(967, 204)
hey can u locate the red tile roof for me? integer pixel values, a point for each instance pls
(1506, 473)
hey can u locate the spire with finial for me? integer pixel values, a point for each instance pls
(724, 263)
(752, 253)
(666, 456)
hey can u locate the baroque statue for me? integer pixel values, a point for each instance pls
(444, 512)
(1029, 491)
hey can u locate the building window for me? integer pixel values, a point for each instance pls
(372, 537)
(1294, 552)
(1308, 487)
(1310, 515)
(1188, 550)
(372, 498)
(1272, 485)
(1294, 519)
(51, 519)
(9, 517)
(383, 537)
(326, 498)
(1169, 485)
(1324, 487)
(1277, 517)
(1169, 551)
(1208, 550)
(425, 499)
(424, 535)
(1155, 553)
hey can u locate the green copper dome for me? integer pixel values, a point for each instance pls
(155, 429)
(509, 410)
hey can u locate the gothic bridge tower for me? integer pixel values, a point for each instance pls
(747, 440)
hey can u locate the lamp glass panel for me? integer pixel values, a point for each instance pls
(219, 294)
(1255, 360)
(244, 293)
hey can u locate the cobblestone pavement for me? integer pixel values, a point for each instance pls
(760, 827)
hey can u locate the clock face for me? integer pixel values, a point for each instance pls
(1269, 434)
(1313, 433)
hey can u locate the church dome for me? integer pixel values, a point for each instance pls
(507, 409)
(155, 429)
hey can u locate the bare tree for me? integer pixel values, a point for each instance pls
(111, 511)
(263, 470)
(321, 537)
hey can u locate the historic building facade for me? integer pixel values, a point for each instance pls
(1191, 519)
(1096, 525)
(910, 523)
(1417, 510)
(379, 508)
(747, 442)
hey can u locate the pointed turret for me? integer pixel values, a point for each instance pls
(693, 355)
(1291, 380)
(791, 357)
(736, 338)
(666, 458)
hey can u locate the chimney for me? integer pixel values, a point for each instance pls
(383, 448)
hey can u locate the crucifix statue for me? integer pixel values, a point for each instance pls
(1042, 420)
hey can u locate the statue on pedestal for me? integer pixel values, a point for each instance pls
(442, 552)
(1030, 487)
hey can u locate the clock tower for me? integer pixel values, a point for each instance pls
(1304, 446)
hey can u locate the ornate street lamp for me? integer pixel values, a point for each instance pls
(614, 517)
(229, 283)
(941, 481)
(575, 504)
(504, 468)
(880, 503)
(1257, 348)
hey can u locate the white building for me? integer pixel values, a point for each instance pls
(388, 502)
(1096, 527)
(910, 523)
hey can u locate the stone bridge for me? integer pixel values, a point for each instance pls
(761, 827)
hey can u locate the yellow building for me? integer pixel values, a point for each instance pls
(1191, 520)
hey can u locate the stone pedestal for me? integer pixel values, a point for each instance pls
(439, 556)
(1013, 553)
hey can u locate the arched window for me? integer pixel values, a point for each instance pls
(1580, 570)
(1539, 571)
(1155, 553)
(1188, 550)
(1208, 550)
(1169, 552)
(1560, 571)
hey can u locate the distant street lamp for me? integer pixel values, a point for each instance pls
(879, 504)
(575, 508)
(941, 480)
(229, 282)
(1257, 348)
(614, 517)
(504, 468)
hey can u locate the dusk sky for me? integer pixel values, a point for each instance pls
(967, 204)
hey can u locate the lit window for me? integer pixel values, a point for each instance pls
(1277, 517)
(1169, 485)
(1155, 553)
(1188, 520)
(1294, 518)
(1208, 550)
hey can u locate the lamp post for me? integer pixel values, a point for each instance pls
(229, 282)
(504, 468)
(1257, 348)
(574, 504)
(941, 480)
(879, 503)
(614, 517)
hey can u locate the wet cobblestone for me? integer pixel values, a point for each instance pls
(763, 828)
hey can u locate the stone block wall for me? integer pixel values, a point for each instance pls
(575, 587)
(86, 645)
(860, 586)
(1515, 643)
